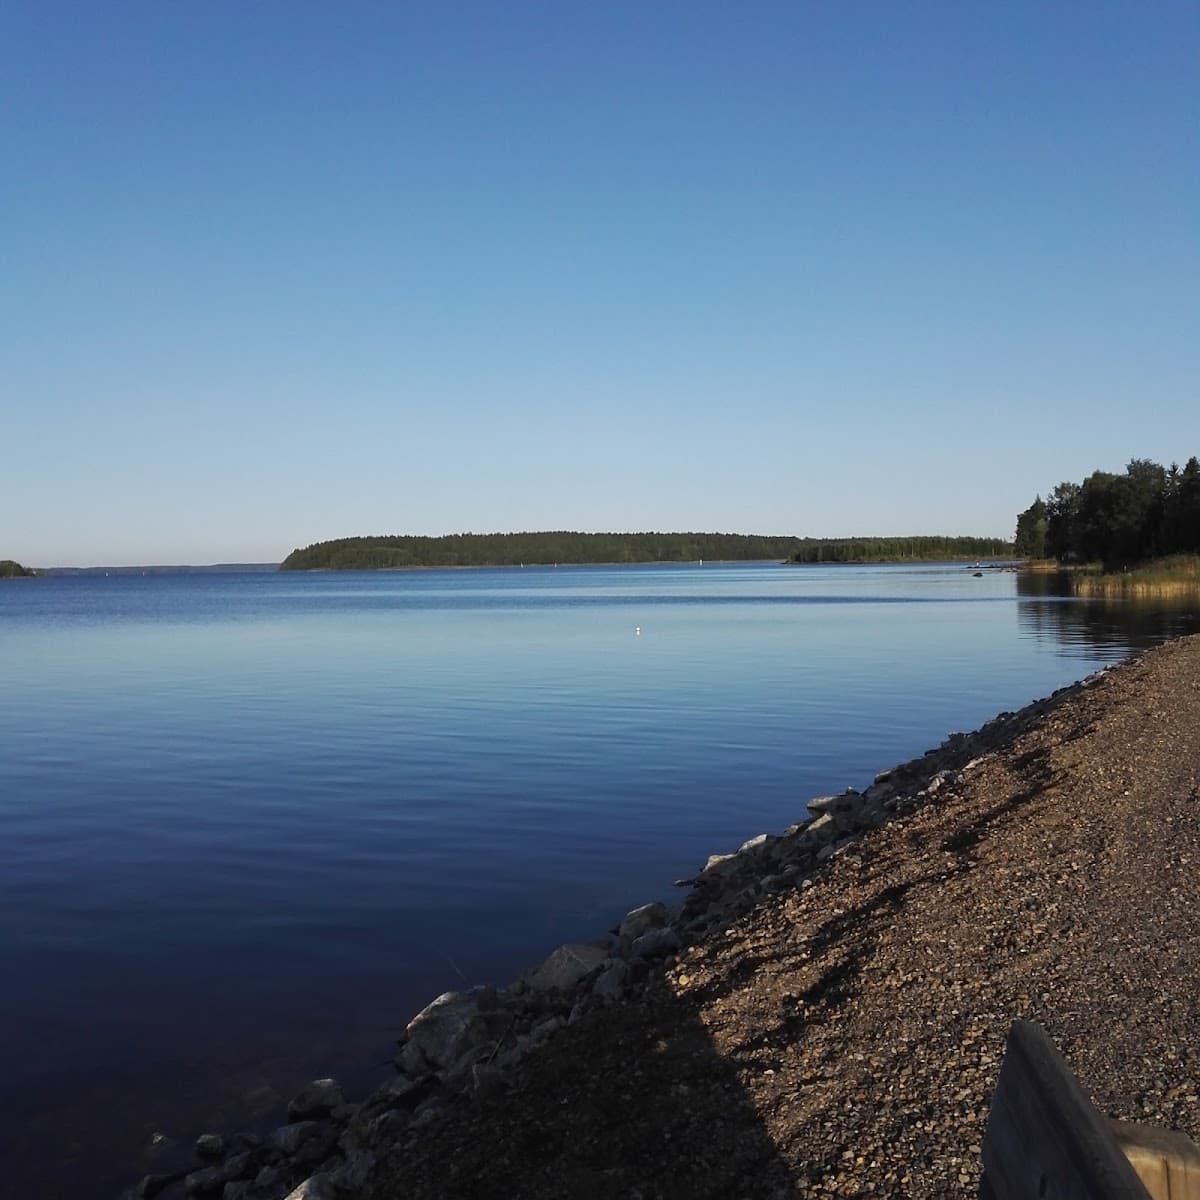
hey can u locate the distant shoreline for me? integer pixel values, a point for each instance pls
(272, 568)
(714, 562)
(164, 569)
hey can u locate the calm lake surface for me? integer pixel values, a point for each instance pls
(253, 822)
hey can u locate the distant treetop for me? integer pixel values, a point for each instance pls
(14, 570)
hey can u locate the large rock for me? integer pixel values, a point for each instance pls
(412, 1061)
(213, 1179)
(316, 1099)
(845, 808)
(823, 829)
(759, 842)
(400, 1092)
(352, 1174)
(319, 1187)
(719, 864)
(204, 1182)
(210, 1146)
(611, 982)
(444, 1030)
(649, 916)
(151, 1185)
(655, 942)
(318, 1145)
(288, 1139)
(566, 967)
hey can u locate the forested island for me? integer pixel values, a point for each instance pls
(517, 549)
(14, 570)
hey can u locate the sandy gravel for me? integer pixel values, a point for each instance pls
(842, 1038)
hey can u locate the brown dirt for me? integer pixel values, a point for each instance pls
(843, 1038)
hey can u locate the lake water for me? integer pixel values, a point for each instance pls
(253, 822)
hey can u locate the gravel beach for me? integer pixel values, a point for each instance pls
(841, 1035)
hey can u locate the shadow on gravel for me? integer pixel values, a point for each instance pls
(1035, 770)
(631, 1101)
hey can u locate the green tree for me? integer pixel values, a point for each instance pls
(1062, 522)
(1030, 541)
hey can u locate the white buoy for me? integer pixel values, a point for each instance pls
(637, 629)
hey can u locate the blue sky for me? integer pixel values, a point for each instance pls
(279, 272)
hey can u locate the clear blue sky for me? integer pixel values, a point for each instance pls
(279, 272)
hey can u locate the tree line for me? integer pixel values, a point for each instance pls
(14, 570)
(1150, 511)
(514, 549)
(899, 549)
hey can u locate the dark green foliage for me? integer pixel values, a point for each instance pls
(512, 549)
(14, 570)
(1119, 520)
(1030, 541)
(1062, 521)
(899, 549)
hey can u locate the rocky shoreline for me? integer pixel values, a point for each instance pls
(499, 1063)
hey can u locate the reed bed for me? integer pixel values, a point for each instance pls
(1176, 578)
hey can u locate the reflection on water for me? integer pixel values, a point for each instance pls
(1092, 627)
